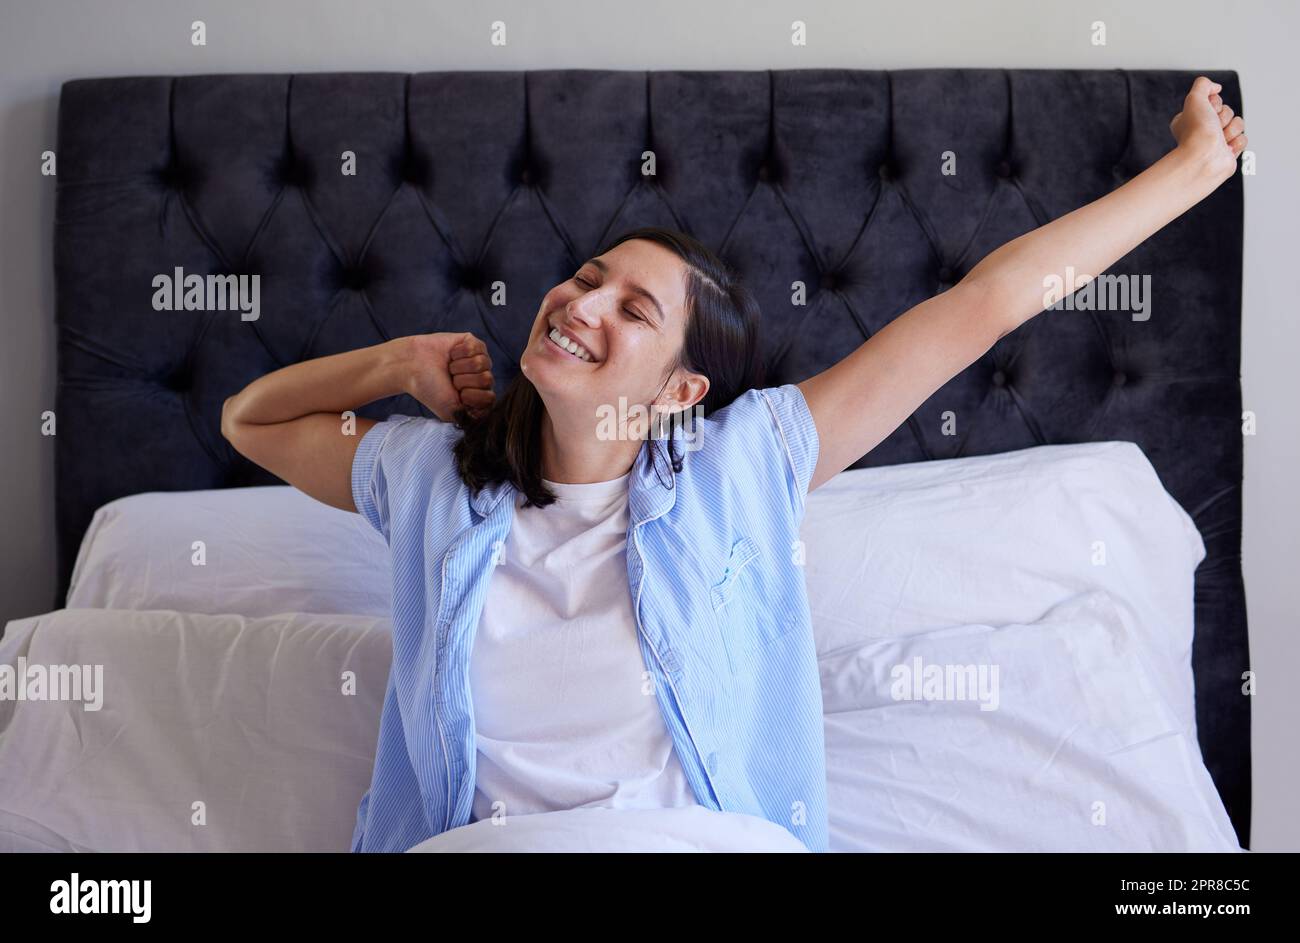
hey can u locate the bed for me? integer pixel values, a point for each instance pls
(1109, 435)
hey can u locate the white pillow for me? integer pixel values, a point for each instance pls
(1081, 753)
(890, 551)
(249, 717)
(268, 550)
(999, 539)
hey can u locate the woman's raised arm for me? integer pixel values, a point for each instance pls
(859, 401)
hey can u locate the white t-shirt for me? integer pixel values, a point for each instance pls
(564, 710)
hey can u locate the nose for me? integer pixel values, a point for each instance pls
(588, 308)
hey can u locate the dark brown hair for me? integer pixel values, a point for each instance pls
(721, 342)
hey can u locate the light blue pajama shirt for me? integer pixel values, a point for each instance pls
(717, 585)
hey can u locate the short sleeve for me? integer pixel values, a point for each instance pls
(378, 460)
(777, 419)
(797, 432)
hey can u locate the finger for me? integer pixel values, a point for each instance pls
(1202, 87)
(467, 381)
(1235, 127)
(468, 365)
(475, 364)
(1225, 116)
(1238, 144)
(477, 399)
(458, 345)
(1216, 101)
(475, 381)
(467, 345)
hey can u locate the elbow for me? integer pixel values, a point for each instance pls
(229, 425)
(990, 308)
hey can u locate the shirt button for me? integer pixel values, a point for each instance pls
(711, 764)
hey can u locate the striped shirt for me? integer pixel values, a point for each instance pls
(715, 573)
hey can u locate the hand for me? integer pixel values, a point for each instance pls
(1207, 131)
(448, 371)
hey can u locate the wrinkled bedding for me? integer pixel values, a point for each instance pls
(689, 829)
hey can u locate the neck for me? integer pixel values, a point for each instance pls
(577, 456)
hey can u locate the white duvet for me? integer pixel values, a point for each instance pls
(223, 733)
(689, 829)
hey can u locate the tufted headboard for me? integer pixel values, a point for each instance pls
(463, 180)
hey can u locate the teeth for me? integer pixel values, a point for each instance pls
(571, 346)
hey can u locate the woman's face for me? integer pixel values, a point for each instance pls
(627, 310)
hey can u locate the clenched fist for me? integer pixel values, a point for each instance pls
(448, 371)
(1208, 130)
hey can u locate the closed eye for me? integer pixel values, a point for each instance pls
(586, 284)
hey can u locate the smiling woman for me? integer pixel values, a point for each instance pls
(535, 556)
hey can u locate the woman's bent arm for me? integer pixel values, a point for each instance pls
(291, 422)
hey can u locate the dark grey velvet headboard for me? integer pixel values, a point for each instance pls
(829, 177)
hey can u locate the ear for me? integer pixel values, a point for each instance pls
(683, 391)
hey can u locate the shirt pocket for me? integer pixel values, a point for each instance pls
(746, 618)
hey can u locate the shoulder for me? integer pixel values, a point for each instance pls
(409, 444)
(767, 428)
(399, 459)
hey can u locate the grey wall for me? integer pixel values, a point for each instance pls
(43, 43)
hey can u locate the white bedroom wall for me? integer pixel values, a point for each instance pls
(43, 43)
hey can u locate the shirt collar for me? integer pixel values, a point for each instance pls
(652, 487)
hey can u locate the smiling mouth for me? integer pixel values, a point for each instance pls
(574, 350)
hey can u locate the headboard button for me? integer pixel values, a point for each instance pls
(354, 278)
(293, 172)
(1004, 169)
(413, 170)
(999, 378)
(1120, 378)
(178, 381)
(175, 176)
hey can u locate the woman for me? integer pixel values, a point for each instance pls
(591, 613)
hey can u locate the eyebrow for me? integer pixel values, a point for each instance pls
(636, 289)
